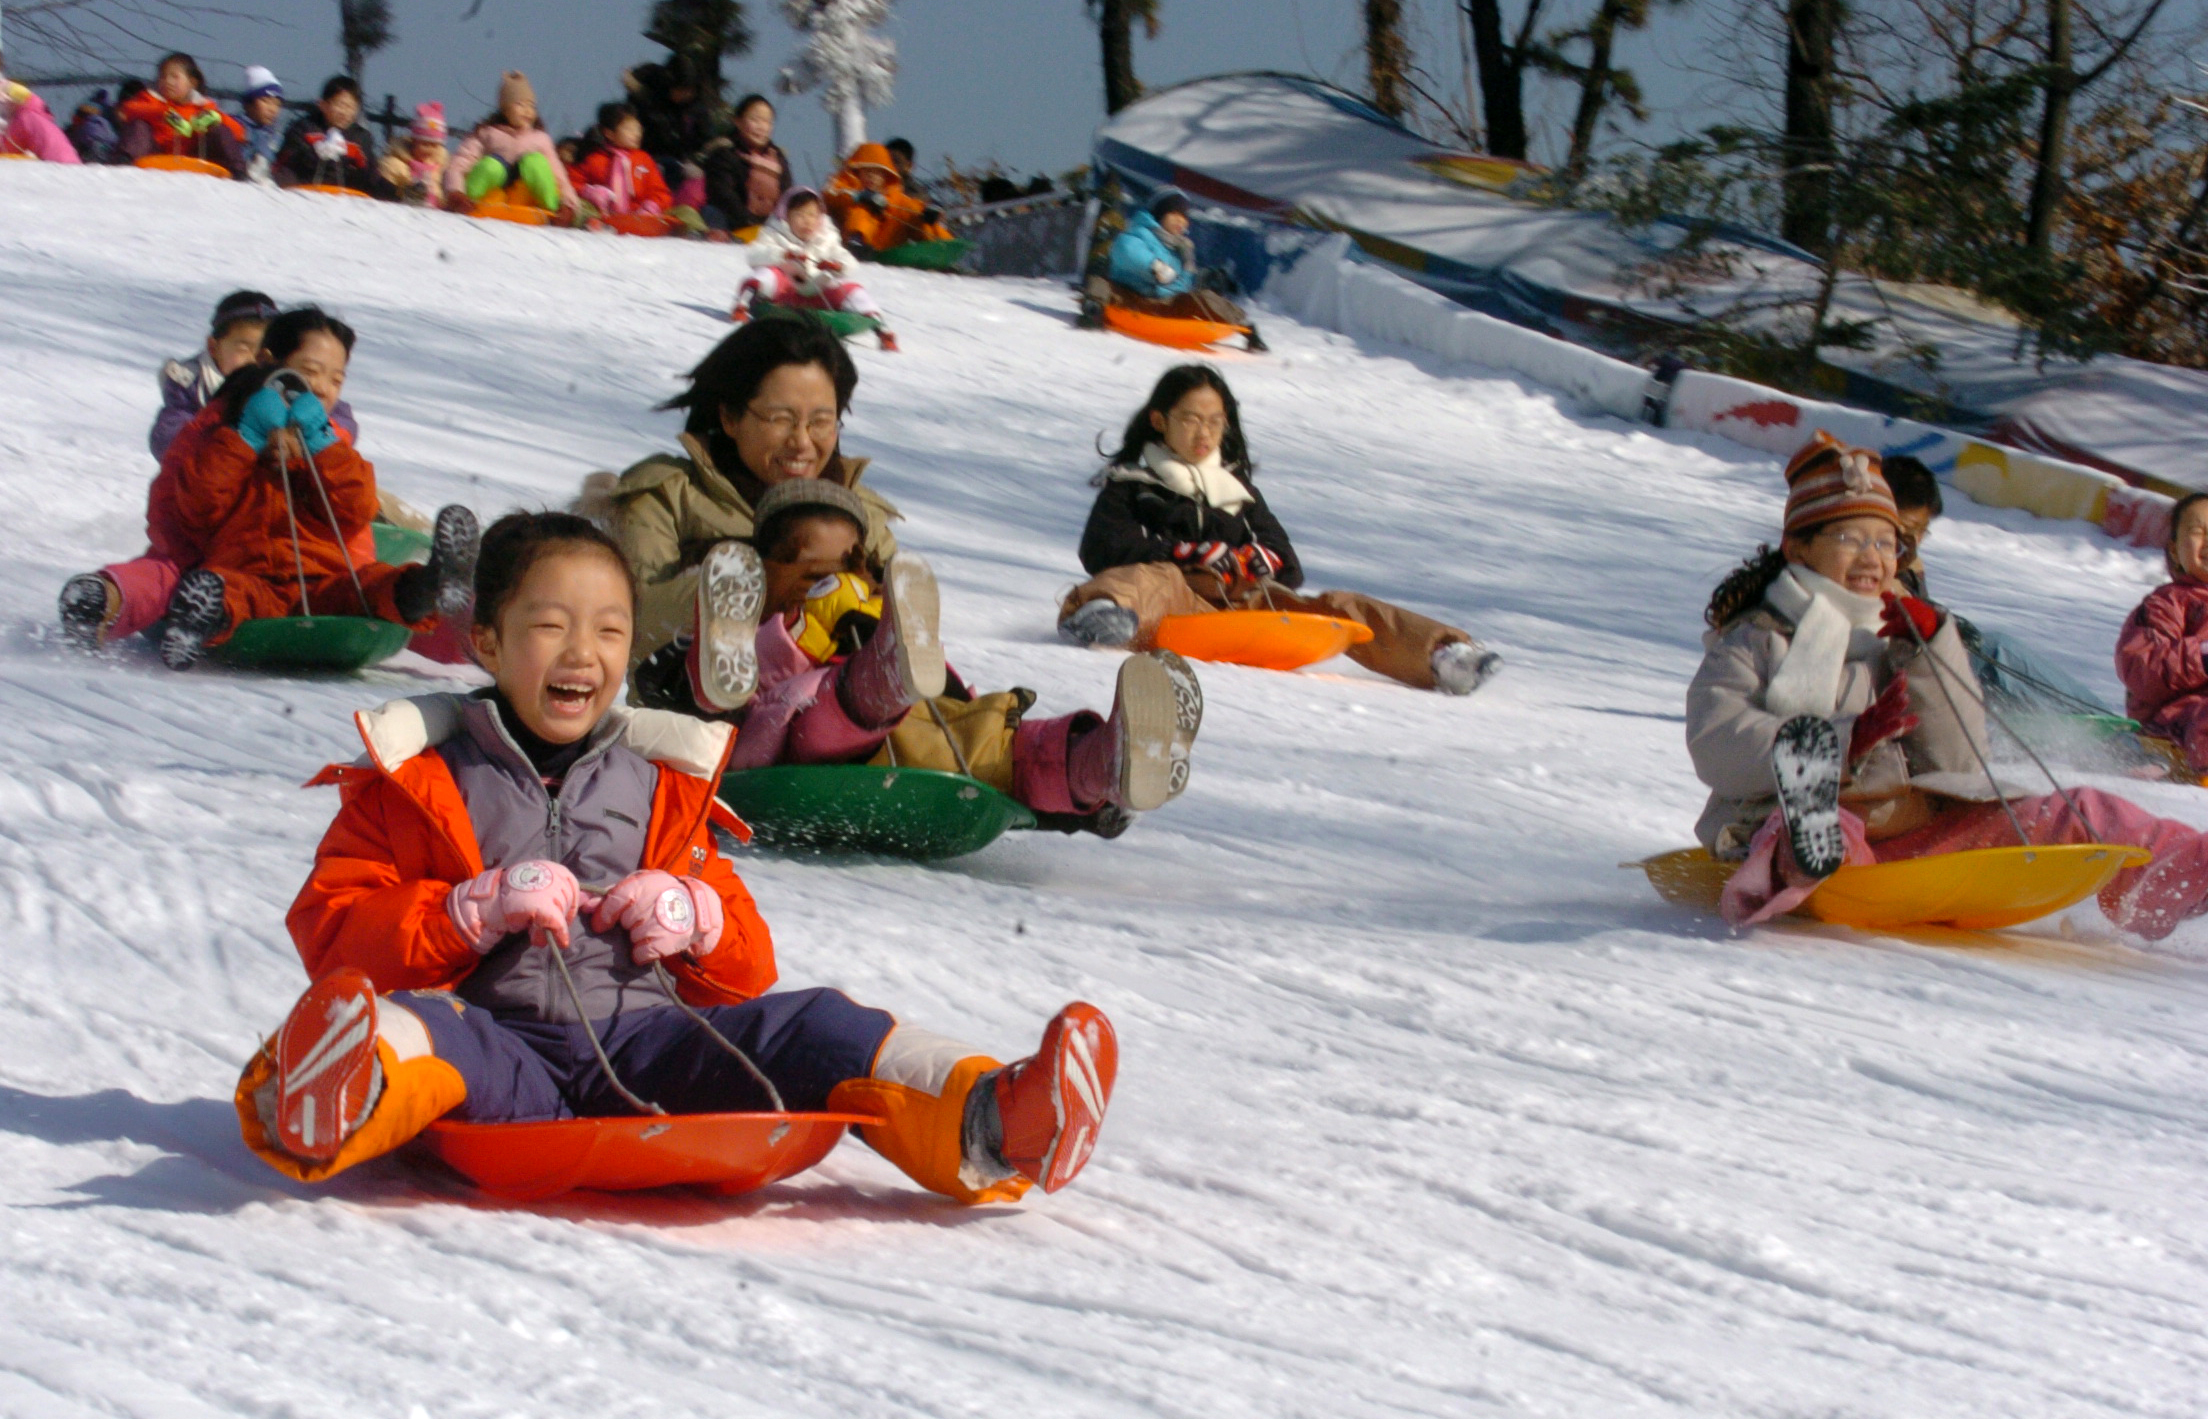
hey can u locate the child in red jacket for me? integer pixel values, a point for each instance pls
(174, 118)
(2162, 652)
(614, 174)
(483, 834)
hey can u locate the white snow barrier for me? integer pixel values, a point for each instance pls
(1325, 287)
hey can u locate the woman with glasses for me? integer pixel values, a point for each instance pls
(1179, 528)
(764, 408)
(1836, 720)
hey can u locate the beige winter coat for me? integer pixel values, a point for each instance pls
(668, 511)
(1895, 788)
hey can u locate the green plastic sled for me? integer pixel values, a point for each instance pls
(926, 255)
(313, 643)
(842, 322)
(396, 546)
(923, 814)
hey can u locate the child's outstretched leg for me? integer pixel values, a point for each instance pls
(765, 283)
(1137, 760)
(347, 1078)
(901, 664)
(1807, 838)
(852, 297)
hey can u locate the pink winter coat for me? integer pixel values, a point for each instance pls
(2162, 658)
(496, 140)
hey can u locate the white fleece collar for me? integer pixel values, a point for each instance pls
(1832, 626)
(1207, 482)
(400, 729)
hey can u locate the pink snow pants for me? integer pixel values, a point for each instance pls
(2149, 901)
(774, 284)
(145, 585)
(34, 131)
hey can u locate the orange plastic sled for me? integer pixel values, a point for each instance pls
(1167, 330)
(511, 212)
(1269, 640)
(328, 189)
(729, 1153)
(1982, 890)
(168, 162)
(641, 224)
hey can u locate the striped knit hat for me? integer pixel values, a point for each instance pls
(1827, 481)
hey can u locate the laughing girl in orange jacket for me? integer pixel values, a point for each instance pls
(523, 883)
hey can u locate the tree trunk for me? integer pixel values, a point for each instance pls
(1594, 89)
(1386, 56)
(2054, 132)
(1115, 26)
(1501, 69)
(850, 123)
(1812, 35)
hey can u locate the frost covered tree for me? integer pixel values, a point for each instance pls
(854, 68)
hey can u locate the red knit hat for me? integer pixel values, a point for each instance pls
(1827, 481)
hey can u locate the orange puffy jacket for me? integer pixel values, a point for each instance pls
(209, 475)
(155, 110)
(898, 222)
(624, 171)
(402, 839)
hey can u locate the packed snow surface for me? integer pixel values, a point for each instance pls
(1426, 1107)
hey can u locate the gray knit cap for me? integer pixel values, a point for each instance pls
(818, 493)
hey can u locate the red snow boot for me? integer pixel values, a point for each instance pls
(326, 1074)
(1051, 1104)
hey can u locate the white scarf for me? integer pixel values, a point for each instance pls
(1207, 482)
(1832, 626)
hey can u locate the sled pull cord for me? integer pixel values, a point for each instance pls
(298, 565)
(642, 1106)
(949, 738)
(759, 1076)
(330, 512)
(1940, 676)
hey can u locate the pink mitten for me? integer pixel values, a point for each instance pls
(665, 915)
(542, 896)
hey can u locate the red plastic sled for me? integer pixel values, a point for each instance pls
(1269, 640)
(1166, 330)
(328, 189)
(169, 162)
(641, 224)
(729, 1153)
(511, 212)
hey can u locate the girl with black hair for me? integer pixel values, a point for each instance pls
(174, 119)
(484, 837)
(1179, 528)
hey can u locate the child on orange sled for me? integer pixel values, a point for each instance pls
(482, 834)
(1836, 720)
(1179, 529)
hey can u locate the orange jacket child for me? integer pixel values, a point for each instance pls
(873, 209)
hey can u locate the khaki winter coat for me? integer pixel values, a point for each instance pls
(1897, 785)
(667, 513)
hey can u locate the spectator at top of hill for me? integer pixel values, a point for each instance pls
(616, 176)
(174, 119)
(674, 109)
(416, 168)
(901, 154)
(510, 146)
(747, 172)
(332, 147)
(264, 123)
(94, 131)
(27, 129)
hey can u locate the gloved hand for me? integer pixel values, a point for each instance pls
(833, 268)
(872, 201)
(1904, 614)
(537, 895)
(1214, 557)
(1257, 563)
(207, 121)
(1887, 718)
(313, 422)
(331, 146)
(1162, 273)
(665, 915)
(181, 126)
(266, 412)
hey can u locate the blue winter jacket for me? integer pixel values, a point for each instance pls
(1134, 249)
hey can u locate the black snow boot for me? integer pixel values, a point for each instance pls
(1092, 314)
(88, 606)
(196, 616)
(1808, 761)
(445, 584)
(1256, 343)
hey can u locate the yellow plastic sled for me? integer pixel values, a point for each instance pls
(1982, 890)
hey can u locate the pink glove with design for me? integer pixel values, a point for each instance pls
(665, 915)
(489, 907)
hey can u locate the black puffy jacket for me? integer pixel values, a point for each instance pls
(1134, 522)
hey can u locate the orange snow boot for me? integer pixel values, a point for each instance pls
(1051, 1104)
(326, 1074)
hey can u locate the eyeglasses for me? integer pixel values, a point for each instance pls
(1856, 544)
(820, 428)
(1197, 423)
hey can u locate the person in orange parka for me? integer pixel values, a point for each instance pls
(174, 118)
(871, 205)
(271, 508)
(521, 886)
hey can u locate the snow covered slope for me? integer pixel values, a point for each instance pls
(1426, 1107)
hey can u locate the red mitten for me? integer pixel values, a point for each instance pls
(1904, 614)
(1257, 563)
(1887, 718)
(1214, 557)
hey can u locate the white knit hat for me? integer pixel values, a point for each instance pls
(260, 82)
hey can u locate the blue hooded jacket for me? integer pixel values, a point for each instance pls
(1134, 249)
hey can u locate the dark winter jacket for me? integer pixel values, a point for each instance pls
(297, 162)
(674, 133)
(1135, 522)
(728, 182)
